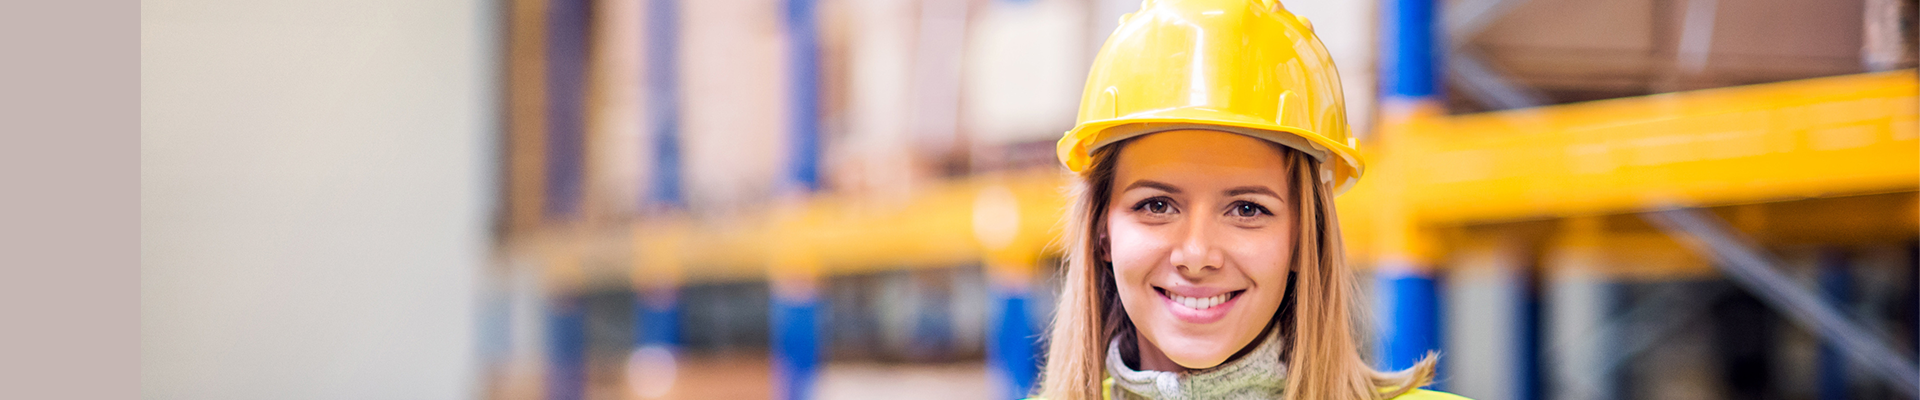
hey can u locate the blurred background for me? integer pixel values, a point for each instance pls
(847, 199)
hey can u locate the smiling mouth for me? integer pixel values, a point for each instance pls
(1200, 303)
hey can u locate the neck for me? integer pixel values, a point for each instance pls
(1152, 359)
(1254, 373)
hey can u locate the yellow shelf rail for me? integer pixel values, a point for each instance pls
(1838, 136)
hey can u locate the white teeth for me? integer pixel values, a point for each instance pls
(1199, 303)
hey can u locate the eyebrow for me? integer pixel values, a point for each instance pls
(1162, 186)
(1252, 190)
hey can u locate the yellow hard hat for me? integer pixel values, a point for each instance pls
(1241, 66)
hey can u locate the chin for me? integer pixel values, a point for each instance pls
(1199, 352)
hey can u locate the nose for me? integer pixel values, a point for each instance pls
(1197, 252)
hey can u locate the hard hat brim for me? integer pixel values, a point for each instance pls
(1340, 161)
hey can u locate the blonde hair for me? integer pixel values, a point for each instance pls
(1317, 317)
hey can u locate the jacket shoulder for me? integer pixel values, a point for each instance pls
(1421, 394)
(1417, 394)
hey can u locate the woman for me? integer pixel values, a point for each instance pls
(1204, 253)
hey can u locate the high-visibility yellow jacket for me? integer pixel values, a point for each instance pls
(1106, 392)
(1421, 394)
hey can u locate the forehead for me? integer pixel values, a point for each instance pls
(1201, 156)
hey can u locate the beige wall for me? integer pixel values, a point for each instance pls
(316, 180)
(734, 109)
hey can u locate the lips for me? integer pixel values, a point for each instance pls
(1199, 306)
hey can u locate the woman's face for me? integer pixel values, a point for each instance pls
(1200, 242)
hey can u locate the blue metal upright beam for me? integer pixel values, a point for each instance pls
(657, 307)
(796, 315)
(663, 101)
(567, 338)
(1409, 61)
(1412, 309)
(1409, 83)
(656, 319)
(566, 80)
(1836, 285)
(803, 33)
(1012, 350)
(1529, 383)
(796, 346)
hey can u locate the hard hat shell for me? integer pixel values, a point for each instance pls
(1241, 66)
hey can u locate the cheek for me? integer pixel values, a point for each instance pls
(1266, 259)
(1134, 250)
(1262, 255)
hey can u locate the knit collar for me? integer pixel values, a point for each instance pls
(1258, 375)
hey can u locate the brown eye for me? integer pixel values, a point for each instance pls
(1158, 207)
(1249, 210)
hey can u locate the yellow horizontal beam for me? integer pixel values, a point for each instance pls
(833, 234)
(1813, 138)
